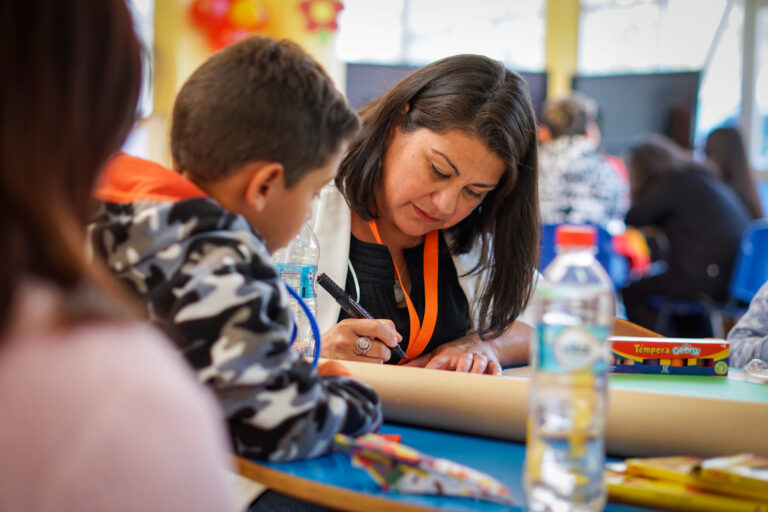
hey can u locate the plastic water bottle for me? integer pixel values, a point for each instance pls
(568, 398)
(297, 265)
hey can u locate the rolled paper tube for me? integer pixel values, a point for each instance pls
(640, 422)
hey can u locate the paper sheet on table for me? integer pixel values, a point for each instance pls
(640, 423)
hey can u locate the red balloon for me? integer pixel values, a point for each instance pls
(211, 15)
(227, 35)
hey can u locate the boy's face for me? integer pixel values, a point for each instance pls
(289, 208)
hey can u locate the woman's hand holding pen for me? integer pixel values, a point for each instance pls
(341, 340)
(467, 354)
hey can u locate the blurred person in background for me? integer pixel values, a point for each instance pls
(99, 412)
(725, 149)
(578, 183)
(697, 220)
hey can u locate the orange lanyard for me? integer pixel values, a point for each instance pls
(420, 334)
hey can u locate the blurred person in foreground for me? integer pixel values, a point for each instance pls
(99, 412)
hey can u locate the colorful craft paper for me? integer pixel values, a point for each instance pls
(400, 468)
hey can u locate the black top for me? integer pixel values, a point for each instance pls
(703, 220)
(376, 276)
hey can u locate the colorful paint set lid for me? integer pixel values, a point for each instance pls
(683, 356)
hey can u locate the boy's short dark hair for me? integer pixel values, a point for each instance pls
(259, 99)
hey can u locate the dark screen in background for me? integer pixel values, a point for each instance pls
(632, 105)
(365, 82)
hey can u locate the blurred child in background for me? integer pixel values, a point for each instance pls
(578, 184)
(700, 220)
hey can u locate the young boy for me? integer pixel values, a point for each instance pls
(257, 131)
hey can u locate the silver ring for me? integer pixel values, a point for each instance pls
(363, 344)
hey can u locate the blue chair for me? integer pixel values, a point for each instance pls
(750, 272)
(615, 264)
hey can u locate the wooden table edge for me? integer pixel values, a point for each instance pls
(320, 493)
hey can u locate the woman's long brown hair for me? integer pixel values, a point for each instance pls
(482, 98)
(71, 77)
(725, 148)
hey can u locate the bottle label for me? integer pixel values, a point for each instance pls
(308, 281)
(566, 349)
(299, 277)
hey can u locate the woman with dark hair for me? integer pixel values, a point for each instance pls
(98, 410)
(725, 148)
(699, 218)
(433, 222)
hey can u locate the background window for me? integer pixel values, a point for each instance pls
(143, 20)
(143, 11)
(371, 31)
(662, 35)
(759, 140)
(421, 31)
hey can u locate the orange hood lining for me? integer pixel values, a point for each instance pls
(126, 179)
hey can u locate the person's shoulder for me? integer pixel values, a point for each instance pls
(553, 152)
(145, 416)
(331, 219)
(330, 203)
(755, 320)
(759, 303)
(123, 342)
(111, 370)
(694, 172)
(134, 371)
(134, 360)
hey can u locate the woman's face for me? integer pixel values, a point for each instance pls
(434, 180)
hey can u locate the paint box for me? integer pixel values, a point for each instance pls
(678, 356)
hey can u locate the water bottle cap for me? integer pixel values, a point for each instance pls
(567, 235)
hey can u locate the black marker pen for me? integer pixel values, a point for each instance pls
(350, 305)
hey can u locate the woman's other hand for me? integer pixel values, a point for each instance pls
(341, 340)
(467, 354)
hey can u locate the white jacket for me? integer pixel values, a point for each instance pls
(332, 224)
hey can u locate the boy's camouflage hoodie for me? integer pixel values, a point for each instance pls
(207, 280)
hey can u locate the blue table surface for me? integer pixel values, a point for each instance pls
(501, 459)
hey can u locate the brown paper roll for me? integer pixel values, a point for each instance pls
(639, 423)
